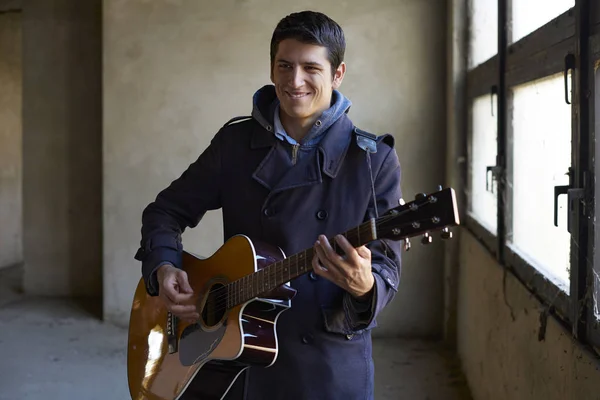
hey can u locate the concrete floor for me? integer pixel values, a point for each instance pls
(58, 349)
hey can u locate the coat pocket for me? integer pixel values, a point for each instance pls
(335, 321)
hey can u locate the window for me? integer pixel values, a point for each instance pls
(529, 15)
(483, 30)
(541, 148)
(528, 141)
(483, 194)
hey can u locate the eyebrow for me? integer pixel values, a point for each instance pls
(312, 63)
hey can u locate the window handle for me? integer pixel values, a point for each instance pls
(569, 65)
(558, 190)
(489, 183)
(493, 91)
(573, 195)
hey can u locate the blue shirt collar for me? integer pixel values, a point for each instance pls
(279, 130)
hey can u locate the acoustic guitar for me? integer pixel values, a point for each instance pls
(239, 292)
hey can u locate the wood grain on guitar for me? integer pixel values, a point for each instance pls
(240, 291)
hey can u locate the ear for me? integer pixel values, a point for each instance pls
(272, 77)
(338, 77)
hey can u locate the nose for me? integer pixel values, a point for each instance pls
(297, 77)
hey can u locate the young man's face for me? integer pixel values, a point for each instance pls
(302, 77)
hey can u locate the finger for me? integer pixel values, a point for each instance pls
(183, 309)
(181, 297)
(168, 294)
(318, 267)
(364, 252)
(349, 250)
(172, 295)
(184, 284)
(328, 255)
(328, 268)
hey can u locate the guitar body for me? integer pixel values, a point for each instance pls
(165, 354)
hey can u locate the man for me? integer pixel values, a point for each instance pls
(292, 175)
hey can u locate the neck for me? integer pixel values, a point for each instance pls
(297, 128)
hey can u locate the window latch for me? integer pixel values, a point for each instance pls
(569, 66)
(573, 195)
(493, 92)
(489, 183)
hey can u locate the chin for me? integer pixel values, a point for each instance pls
(297, 112)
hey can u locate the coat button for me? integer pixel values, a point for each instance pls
(268, 212)
(307, 339)
(313, 276)
(321, 214)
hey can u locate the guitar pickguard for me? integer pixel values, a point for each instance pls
(196, 343)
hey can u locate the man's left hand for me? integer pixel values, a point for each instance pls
(351, 272)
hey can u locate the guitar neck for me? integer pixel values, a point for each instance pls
(281, 272)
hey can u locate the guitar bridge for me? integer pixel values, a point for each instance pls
(172, 333)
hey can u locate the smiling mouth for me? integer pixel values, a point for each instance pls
(296, 95)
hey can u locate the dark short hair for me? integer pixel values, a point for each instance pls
(311, 27)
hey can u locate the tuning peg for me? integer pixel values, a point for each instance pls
(439, 188)
(426, 238)
(420, 196)
(446, 234)
(406, 244)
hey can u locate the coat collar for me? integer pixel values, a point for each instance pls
(333, 147)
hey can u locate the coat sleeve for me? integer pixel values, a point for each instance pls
(385, 254)
(179, 206)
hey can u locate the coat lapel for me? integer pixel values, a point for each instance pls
(276, 171)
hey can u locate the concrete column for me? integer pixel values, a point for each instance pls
(62, 147)
(455, 152)
(11, 231)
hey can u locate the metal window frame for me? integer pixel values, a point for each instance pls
(538, 55)
(591, 325)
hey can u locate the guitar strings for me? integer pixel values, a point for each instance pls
(272, 269)
(222, 298)
(222, 293)
(270, 272)
(351, 235)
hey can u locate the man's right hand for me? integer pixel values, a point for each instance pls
(175, 291)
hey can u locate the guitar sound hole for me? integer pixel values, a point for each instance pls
(215, 306)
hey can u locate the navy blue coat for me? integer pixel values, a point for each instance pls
(325, 342)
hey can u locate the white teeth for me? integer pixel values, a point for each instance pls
(297, 96)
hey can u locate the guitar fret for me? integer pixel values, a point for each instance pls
(242, 289)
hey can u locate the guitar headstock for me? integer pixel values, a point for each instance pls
(427, 213)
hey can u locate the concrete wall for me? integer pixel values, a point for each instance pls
(62, 147)
(11, 130)
(502, 358)
(175, 71)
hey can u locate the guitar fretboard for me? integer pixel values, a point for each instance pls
(283, 271)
